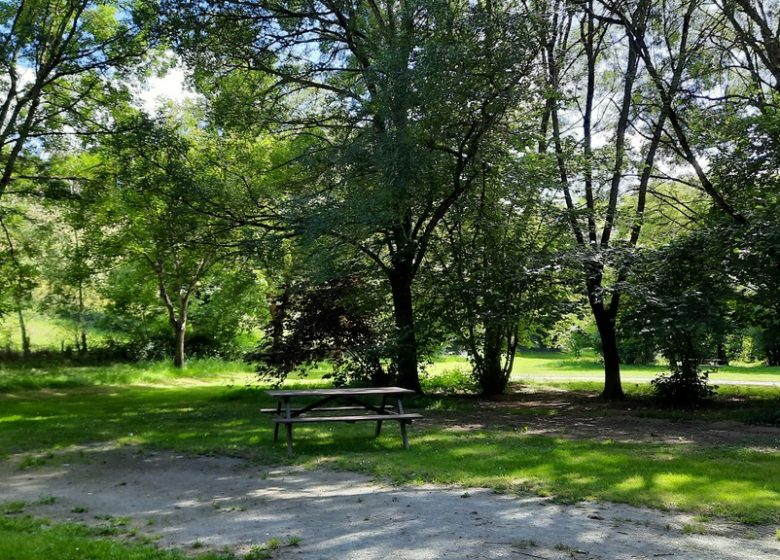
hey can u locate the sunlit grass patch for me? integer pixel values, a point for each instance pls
(33, 539)
(16, 377)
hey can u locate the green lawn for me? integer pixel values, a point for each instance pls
(20, 376)
(24, 538)
(201, 414)
(48, 333)
(536, 365)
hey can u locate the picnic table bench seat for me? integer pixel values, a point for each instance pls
(366, 417)
(286, 415)
(324, 409)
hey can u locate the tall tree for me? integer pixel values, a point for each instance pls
(606, 129)
(402, 97)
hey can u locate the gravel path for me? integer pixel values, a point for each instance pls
(217, 501)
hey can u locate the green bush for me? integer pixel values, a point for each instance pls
(683, 387)
(451, 381)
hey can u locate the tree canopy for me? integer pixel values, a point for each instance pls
(373, 182)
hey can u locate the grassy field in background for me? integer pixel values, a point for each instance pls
(204, 410)
(48, 333)
(535, 365)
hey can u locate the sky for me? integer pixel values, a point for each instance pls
(169, 87)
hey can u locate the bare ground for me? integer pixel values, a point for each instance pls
(221, 502)
(566, 413)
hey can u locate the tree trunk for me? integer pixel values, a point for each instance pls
(406, 340)
(23, 332)
(605, 323)
(82, 329)
(772, 348)
(278, 310)
(178, 358)
(492, 378)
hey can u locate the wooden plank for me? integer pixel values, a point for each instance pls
(360, 418)
(340, 392)
(323, 408)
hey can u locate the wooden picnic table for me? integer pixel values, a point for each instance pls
(354, 399)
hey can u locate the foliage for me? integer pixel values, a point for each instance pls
(683, 387)
(337, 321)
(574, 335)
(62, 66)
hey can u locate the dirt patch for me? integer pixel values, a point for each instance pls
(582, 415)
(220, 502)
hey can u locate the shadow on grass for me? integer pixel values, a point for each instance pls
(738, 483)
(339, 516)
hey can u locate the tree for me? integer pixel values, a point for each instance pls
(596, 163)
(333, 320)
(18, 268)
(147, 215)
(400, 98)
(493, 278)
(680, 302)
(60, 62)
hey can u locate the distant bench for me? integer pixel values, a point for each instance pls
(286, 414)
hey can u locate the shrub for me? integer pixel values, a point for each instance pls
(684, 386)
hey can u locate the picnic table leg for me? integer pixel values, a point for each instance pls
(379, 422)
(288, 426)
(276, 424)
(403, 424)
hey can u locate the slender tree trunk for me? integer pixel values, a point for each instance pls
(178, 357)
(605, 323)
(406, 340)
(82, 329)
(278, 310)
(23, 332)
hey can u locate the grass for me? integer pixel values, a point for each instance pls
(47, 332)
(16, 377)
(540, 365)
(47, 426)
(735, 483)
(51, 415)
(32, 539)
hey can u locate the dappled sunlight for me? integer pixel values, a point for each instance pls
(218, 420)
(220, 502)
(630, 484)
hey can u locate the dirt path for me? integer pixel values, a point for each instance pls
(216, 502)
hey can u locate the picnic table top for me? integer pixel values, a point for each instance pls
(340, 392)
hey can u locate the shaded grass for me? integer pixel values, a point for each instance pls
(33, 539)
(730, 481)
(749, 404)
